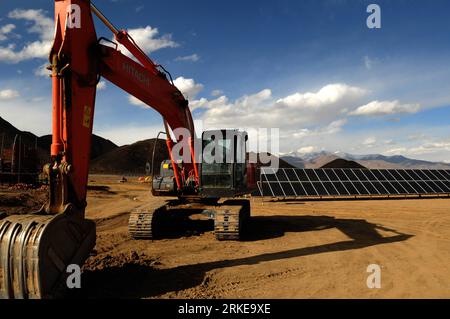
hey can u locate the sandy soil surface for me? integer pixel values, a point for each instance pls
(293, 250)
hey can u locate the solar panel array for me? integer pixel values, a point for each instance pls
(335, 182)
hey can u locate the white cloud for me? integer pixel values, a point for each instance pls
(289, 113)
(128, 134)
(307, 149)
(101, 85)
(8, 94)
(5, 30)
(41, 25)
(148, 40)
(369, 142)
(368, 62)
(188, 87)
(135, 101)
(216, 93)
(193, 58)
(334, 127)
(28, 114)
(326, 96)
(375, 108)
(430, 147)
(42, 71)
(205, 103)
(301, 133)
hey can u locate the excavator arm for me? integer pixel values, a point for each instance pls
(156, 91)
(78, 60)
(36, 249)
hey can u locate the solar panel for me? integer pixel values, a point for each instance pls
(353, 182)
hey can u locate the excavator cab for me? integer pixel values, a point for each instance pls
(223, 169)
(164, 183)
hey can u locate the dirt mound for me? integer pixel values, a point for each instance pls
(22, 201)
(342, 163)
(120, 260)
(111, 276)
(131, 158)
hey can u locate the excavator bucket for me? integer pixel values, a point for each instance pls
(35, 251)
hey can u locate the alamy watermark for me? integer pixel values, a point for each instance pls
(374, 19)
(74, 278)
(374, 279)
(247, 145)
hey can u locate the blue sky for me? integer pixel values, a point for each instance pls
(311, 68)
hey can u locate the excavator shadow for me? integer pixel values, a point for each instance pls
(177, 225)
(101, 189)
(269, 227)
(140, 281)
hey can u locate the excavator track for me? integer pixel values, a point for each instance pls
(145, 223)
(231, 220)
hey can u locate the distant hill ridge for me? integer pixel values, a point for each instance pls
(342, 163)
(107, 157)
(131, 158)
(374, 161)
(8, 133)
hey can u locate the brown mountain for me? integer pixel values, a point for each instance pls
(130, 159)
(99, 145)
(8, 133)
(41, 145)
(33, 158)
(282, 163)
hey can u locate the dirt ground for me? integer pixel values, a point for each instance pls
(293, 250)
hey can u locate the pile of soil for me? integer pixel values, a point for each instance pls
(22, 201)
(110, 275)
(120, 260)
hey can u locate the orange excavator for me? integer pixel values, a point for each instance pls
(36, 249)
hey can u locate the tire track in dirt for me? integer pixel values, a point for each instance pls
(214, 287)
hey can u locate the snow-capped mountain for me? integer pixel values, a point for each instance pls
(318, 159)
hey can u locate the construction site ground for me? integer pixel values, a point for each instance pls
(293, 249)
